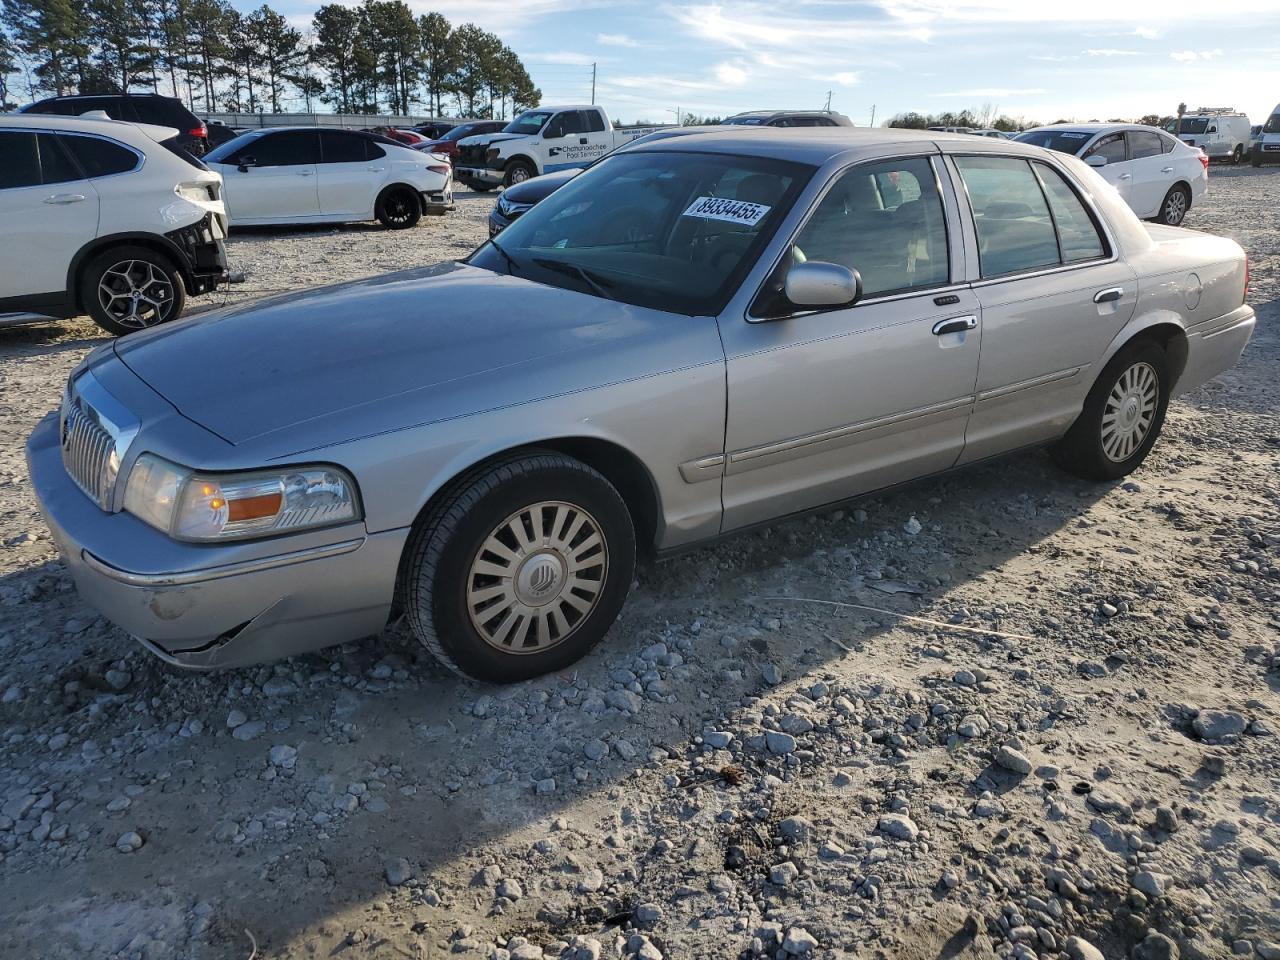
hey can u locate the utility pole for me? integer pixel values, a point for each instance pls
(593, 84)
(827, 108)
(873, 115)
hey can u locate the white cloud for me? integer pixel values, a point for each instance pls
(1190, 56)
(996, 93)
(731, 75)
(756, 27)
(1136, 12)
(848, 78)
(1112, 52)
(561, 57)
(1147, 33)
(1053, 59)
(616, 40)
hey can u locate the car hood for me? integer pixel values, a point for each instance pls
(323, 366)
(537, 189)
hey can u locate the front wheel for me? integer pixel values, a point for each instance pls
(518, 172)
(1173, 209)
(399, 208)
(1122, 416)
(522, 570)
(131, 288)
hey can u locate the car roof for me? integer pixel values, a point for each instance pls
(817, 145)
(1094, 127)
(120, 129)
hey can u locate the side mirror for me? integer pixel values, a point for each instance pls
(246, 163)
(815, 283)
(1096, 160)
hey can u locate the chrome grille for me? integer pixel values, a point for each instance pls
(86, 449)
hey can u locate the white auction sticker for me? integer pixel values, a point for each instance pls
(731, 211)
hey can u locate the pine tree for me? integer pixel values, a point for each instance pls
(49, 34)
(336, 29)
(276, 46)
(437, 58)
(120, 33)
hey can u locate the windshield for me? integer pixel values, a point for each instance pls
(1064, 141)
(531, 121)
(1273, 124)
(672, 231)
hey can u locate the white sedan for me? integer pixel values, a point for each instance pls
(1159, 176)
(317, 175)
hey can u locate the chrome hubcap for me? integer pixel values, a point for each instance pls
(519, 175)
(537, 577)
(1129, 411)
(136, 293)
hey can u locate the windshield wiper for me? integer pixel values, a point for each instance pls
(590, 278)
(511, 261)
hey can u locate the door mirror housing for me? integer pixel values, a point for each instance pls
(1096, 160)
(246, 163)
(816, 284)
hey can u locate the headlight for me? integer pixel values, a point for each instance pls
(189, 505)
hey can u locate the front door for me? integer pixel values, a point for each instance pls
(1053, 295)
(824, 406)
(1116, 172)
(47, 213)
(273, 178)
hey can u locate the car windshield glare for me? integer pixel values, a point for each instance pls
(1064, 141)
(1273, 124)
(531, 121)
(669, 230)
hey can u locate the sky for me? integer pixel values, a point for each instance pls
(1034, 59)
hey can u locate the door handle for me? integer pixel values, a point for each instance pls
(1110, 295)
(375, 169)
(1126, 176)
(64, 198)
(954, 325)
(304, 173)
(1166, 169)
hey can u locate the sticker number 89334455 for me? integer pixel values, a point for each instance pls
(731, 211)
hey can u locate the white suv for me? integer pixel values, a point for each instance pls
(97, 217)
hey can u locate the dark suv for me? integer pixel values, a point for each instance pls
(153, 108)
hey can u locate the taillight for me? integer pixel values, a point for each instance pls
(200, 131)
(1246, 277)
(1204, 161)
(437, 168)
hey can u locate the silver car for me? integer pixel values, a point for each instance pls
(691, 338)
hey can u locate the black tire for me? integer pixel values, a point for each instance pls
(445, 545)
(109, 280)
(518, 171)
(1237, 155)
(1083, 451)
(1174, 206)
(399, 208)
(479, 187)
(1255, 158)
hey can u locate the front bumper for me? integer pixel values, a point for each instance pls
(205, 251)
(222, 605)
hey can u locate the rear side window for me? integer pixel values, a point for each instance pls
(98, 157)
(1167, 143)
(55, 165)
(595, 122)
(1144, 144)
(885, 220)
(1078, 235)
(1111, 147)
(338, 147)
(19, 160)
(163, 111)
(1011, 215)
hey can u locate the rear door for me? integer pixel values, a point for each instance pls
(351, 171)
(1152, 172)
(48, 211)
(1053, 295)
(278, 181)
(826, 405)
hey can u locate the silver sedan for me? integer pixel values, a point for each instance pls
(689, 339)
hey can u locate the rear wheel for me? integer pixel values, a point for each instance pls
(1174, 206)
(1122, 415)
(522, 570)
(1237, 155)
(399, 208)
(131, 288)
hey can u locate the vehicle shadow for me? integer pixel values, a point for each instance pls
(457, 763)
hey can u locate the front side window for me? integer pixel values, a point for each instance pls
(98, 157)
(1011, 215)
(885, 220)
(1111, 146)
(19, 160)
(669, 230)
(1078, 235)
(290, 148)
(1144, 144)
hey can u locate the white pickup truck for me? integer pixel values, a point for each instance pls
(538, 141)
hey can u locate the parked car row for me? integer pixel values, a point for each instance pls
(616, 373)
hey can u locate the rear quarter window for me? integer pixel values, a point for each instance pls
(98, 157)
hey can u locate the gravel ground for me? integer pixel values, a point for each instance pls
(1075, 759)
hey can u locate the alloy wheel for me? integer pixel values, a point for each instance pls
(536, 577)
(136, 293)
(1175, 208)
(398, 207)
(1129, 411)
